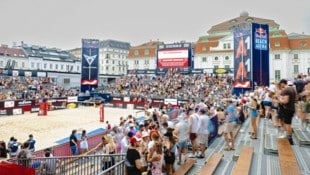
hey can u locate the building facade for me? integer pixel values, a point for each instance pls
(143, 57)
(289, 53)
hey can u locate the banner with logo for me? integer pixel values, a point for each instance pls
(90, 65)
(260, 51)
(242, 56)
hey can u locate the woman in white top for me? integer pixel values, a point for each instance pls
(83, 142)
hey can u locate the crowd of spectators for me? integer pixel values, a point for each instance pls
(13, 88)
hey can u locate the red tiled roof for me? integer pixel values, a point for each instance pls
(12, 52)
(299, 44)
(150, 46)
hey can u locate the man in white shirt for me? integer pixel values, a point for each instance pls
(181, 131)
(193, 128)
(125, 142)
(203, 131)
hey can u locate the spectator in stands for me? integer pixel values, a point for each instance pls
(170, 151)
(305, 105)
(230, 123)
(73, 142)
(24, 155)
(287, 100)
(48, 166)
(3, 150)
(203, 132)
(32, 143)
(108, 149)
(133, 161)
(253, 107)
(181, 131)
(125, 142)
(83, 142)
(193, 129)
(155, 156)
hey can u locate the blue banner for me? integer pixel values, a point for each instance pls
(90, 65)
(260, 52)
(242, 56)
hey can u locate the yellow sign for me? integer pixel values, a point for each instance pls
(220, 71)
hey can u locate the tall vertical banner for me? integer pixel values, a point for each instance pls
(90, 65)
(242, 56)
(260, 51)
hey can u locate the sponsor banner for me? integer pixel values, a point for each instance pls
(18, 111)
(9, 104)
(28, 74)
(126, 99)
(35, 109)
(139, 107)
(260, 33)
(182, 102)
(90, 62)
(72, 99)
(117, 99)
(3, 112)
(137, 100)
(221, 71)
(197, 71)
(72, 105)
(21, 103)
(171, 101)
(244, 84)
(242, 54)
(15, 73)
(41, 74)
(161, 71)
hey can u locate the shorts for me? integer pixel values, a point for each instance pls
(286, 115)
(203, 139)
(192, 136)
(229, 127)
(182, 144)
(267, 103)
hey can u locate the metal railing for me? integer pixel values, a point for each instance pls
(76, 165)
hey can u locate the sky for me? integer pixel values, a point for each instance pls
(63, 23)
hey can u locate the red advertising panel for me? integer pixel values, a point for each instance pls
(173, 58)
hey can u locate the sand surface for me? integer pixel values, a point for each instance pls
(57, 124)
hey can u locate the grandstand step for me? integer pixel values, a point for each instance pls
(303, 137)
(270, 144)
(302, 155)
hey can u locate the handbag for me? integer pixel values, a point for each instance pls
(305, 106)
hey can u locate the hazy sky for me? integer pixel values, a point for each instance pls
(62, 23)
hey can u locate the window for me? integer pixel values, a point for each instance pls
(51, 66)
(107, 61)
(204, 59)
(136, 61)
(78, 68)
(204, 48)
(227, 58)
(216, 58)
(224, 46)
(66, 80)
(216, 66)
(1, 63)
(113, 62)
(32, 65)
(228, 46)
(277, 44)
(23, 65)
(44, 66)
(295, 56)
(146, 61)
(113, 69)
(67, 67)
(146, 52)
(296, 69)
(107, 55)
(226, 66)
(62, 67)
(277, 75)
(107, 68)
(277, 56)
(136, 52)
(56, 66)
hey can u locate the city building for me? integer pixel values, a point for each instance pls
(13, 58)
(289, 53)
(143, 57)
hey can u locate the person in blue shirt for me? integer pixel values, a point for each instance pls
(230, 124)
(32, 143)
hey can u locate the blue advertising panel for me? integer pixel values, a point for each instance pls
(260, 33)
(90, 61)
(242, 56)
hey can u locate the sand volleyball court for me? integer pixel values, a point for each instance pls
(58, 124)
